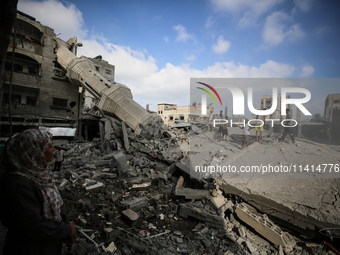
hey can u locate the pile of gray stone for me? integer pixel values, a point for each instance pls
(132, 195)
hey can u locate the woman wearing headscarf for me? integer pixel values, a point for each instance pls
(31, 206)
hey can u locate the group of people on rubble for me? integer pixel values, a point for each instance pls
(259, 127)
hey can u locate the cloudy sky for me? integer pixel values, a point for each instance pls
(157, 46)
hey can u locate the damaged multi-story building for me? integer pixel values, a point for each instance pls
(45, 82)
(41, 94)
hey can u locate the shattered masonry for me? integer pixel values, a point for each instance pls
(141, 200)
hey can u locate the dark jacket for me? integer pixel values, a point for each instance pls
(29, 233)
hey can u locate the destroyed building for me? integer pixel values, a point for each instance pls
(45, 79)
(90, 118)
(41, 94)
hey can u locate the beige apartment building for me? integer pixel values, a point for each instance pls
(190, 113)
(39, 92)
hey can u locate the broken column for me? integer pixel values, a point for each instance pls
(119, 160)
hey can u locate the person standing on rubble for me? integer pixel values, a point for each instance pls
(220, 127)
(288, 129)
(245, 136)
(32, 209)
(225, 129)
(259, 128)
(211, 120)
(59, 158)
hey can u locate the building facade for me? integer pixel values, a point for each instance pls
(332, 105)
(332, 116)
(36, 91)
(266, 102)
(191, 113)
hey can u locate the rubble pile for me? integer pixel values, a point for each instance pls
(130, 195)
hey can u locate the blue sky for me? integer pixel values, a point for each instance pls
(157, 46)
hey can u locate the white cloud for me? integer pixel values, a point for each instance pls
(136, 62)
(307, 70)
(248, 20)
(192, 57)
(269, 69)
(259, 6)
(166, 39)
(65, 19)
(138, 70)
(170, 84)
(182, 34)
(209, 22)
(250, 9)
(278, 28)
(221, 46)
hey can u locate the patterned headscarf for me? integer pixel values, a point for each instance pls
(25, 152)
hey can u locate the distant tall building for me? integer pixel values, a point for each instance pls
(332, 104)
(332, 115)
(226, 111)
(298, 114)
(266, 102)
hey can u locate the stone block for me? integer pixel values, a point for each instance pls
(98, 185)
(121, 163)
(180, 183)
(90, 167)
(135, 203)
(241, 231)
(192, 193)
(251, 248)
(141, 186)
(111, 248)
(125, 137)
(217, 202)
(223, 208)
(130, 215)
(187, 210)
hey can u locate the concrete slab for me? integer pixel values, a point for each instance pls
(300, 199)
(131, 215)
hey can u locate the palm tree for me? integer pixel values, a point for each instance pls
(317, 118)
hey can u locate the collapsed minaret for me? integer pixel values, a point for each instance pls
(115, 99)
